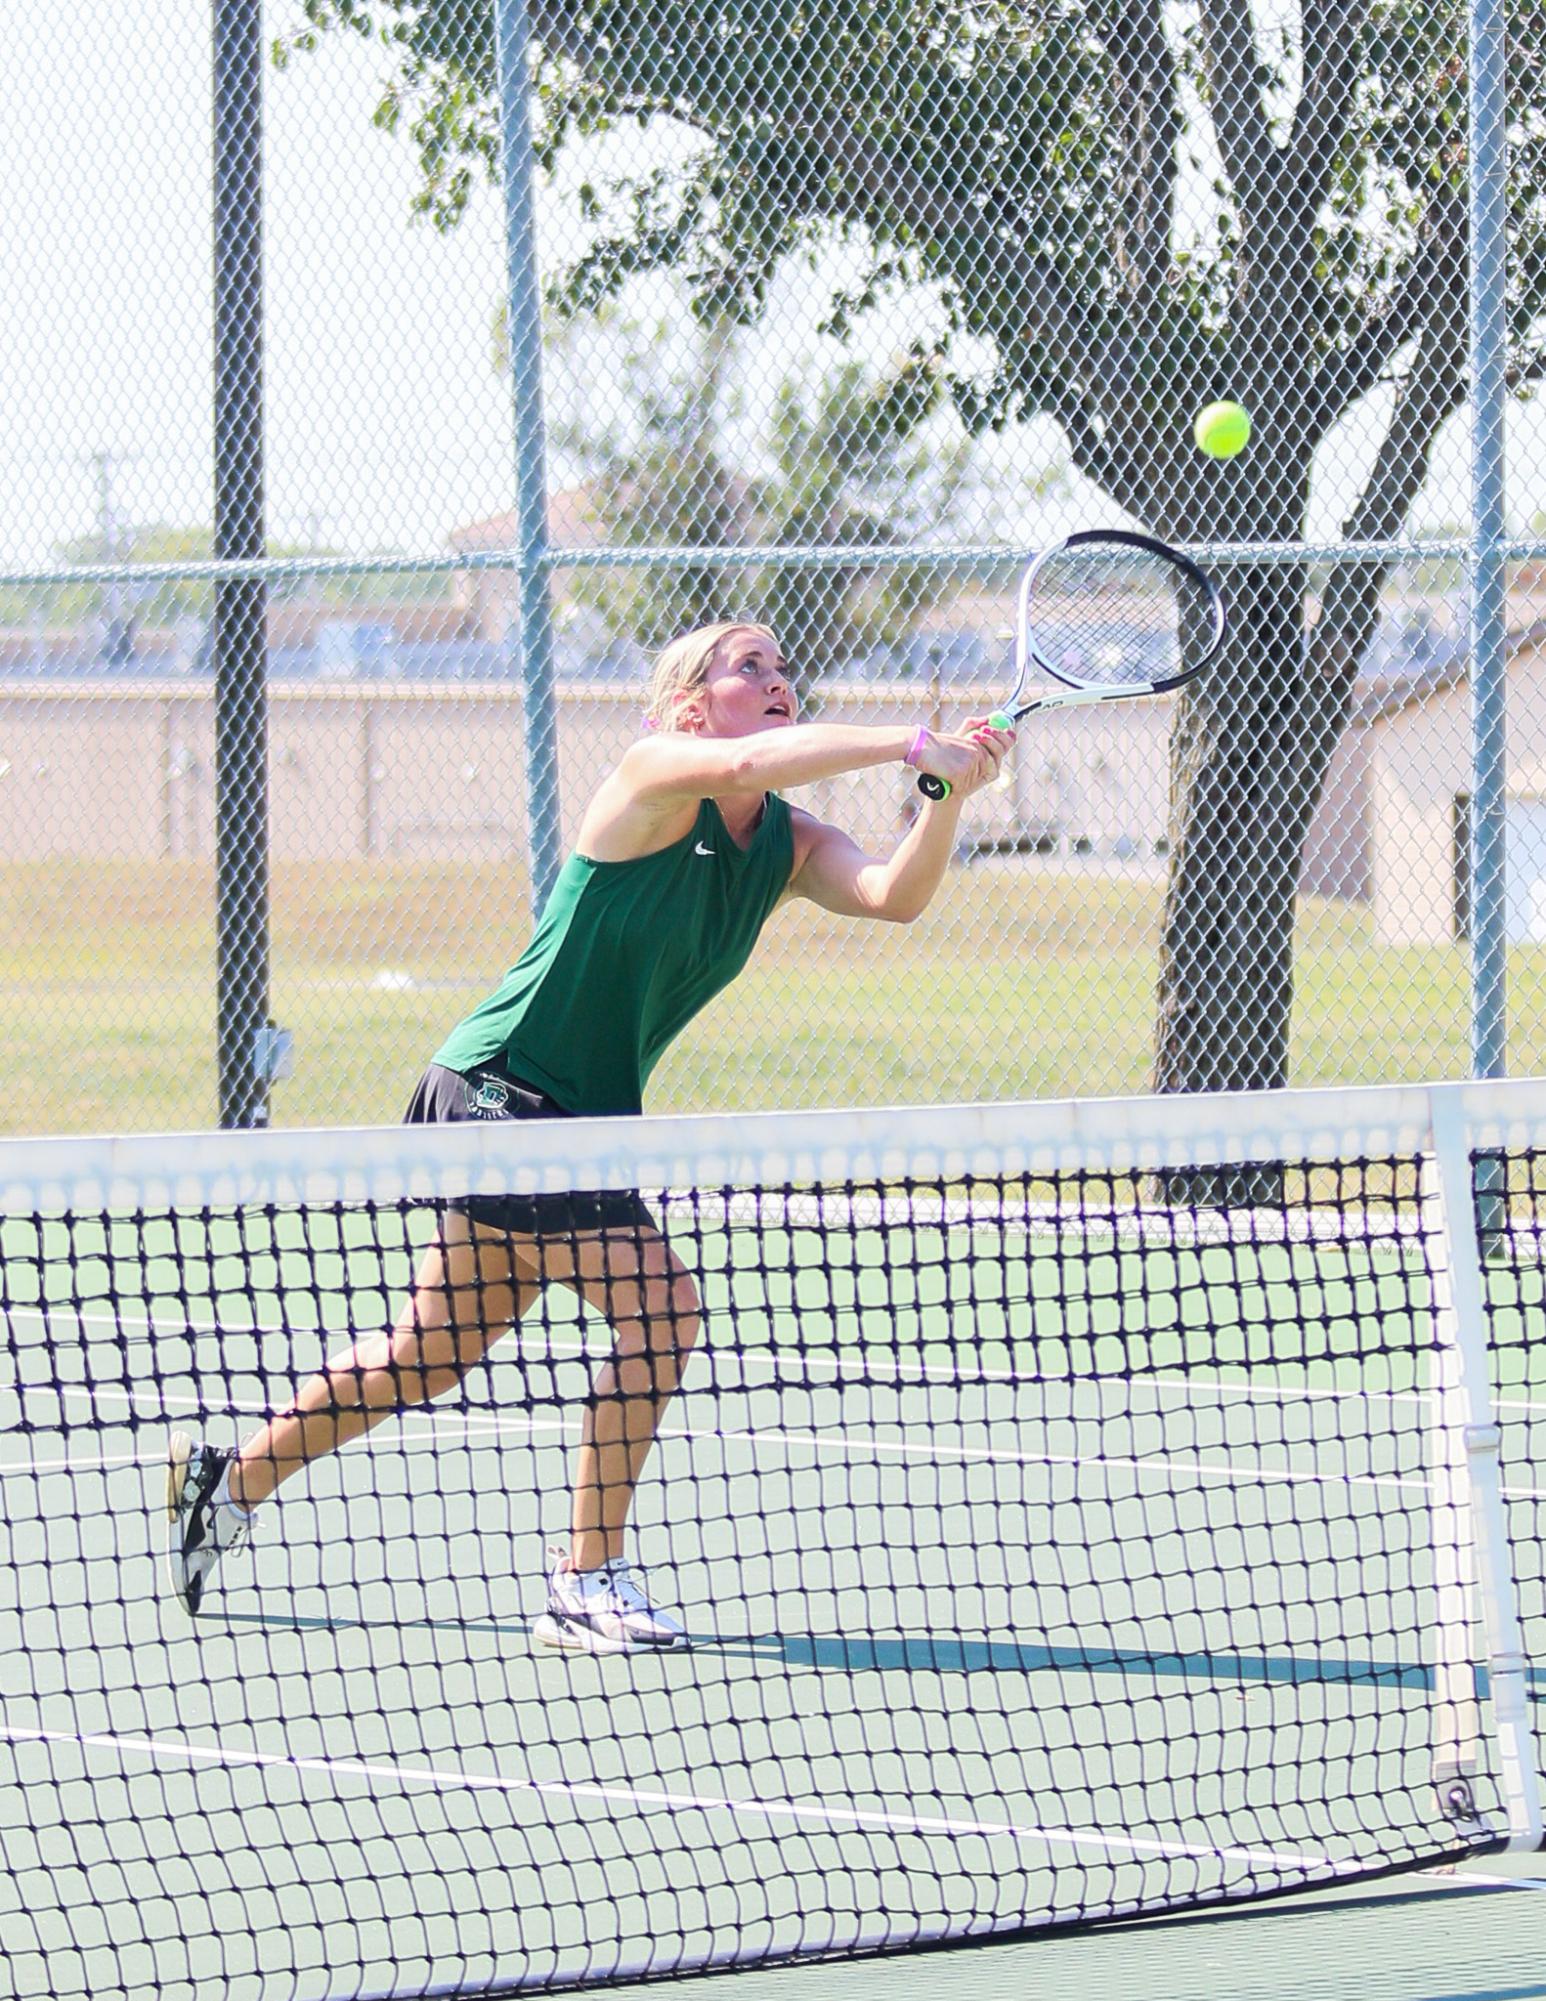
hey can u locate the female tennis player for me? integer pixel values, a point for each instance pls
(683, 854)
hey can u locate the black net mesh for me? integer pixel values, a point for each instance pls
(1046, 1548)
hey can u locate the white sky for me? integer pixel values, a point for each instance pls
(388, 425)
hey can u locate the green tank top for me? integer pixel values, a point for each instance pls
(625, 954)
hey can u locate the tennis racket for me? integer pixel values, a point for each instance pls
(1104, 615)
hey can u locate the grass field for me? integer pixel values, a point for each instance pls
(1020, 981)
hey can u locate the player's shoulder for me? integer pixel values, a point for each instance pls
(804, 824)
(625, 820)
(807, 832)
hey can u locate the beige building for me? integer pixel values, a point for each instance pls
(363, 768)
(1416, 778)
(394, 769)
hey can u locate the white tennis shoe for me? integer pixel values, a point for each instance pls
(603, 1612)
(201, 1529)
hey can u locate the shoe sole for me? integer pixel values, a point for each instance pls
(179, 1455)
(179, 1458)
(552, 1630)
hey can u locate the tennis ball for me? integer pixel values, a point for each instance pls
(1223, 430)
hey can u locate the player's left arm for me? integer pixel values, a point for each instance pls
(832, 870)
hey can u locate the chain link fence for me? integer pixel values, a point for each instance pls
(318, 625)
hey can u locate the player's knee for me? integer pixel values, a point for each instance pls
(677, 1328)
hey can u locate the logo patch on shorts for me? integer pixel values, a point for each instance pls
(489, 1099)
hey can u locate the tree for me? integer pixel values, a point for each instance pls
(121, 609)
(851, 472)
(1027, 159)
(655, 474)
(843, 461)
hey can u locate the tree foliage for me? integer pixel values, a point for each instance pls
(840, 460)
(1026, 159)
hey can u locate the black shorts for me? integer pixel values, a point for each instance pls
(448, 1097)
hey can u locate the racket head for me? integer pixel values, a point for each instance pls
(1107, 611)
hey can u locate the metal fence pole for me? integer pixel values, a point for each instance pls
(512, 39)
(1488, 202)
(241, 723)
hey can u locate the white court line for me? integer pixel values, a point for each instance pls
(409, 1776)
(971, 1454)
(100, 1465)
(162, 1406)
(1459, 1882)
(746, 1359)
(922, 1373)
(852, 1445)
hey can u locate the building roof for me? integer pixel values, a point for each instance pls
(573, 523)
(1388, 695)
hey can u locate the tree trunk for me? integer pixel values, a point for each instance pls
(1249, 756)
(1248, 753)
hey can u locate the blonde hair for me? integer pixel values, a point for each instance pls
(684, 666)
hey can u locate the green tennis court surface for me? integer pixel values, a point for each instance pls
(1049, 1552)
(1416, 1939)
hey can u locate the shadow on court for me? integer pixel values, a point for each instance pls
(929, 1653)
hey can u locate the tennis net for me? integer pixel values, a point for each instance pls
(1074, 1510)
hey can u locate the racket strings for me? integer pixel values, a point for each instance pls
(1116, 618)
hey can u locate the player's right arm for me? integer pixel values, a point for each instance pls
(678, 766)
(653, 796)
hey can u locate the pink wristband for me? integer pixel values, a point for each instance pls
(915, 748)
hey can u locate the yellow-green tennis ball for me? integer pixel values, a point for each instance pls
(1223, 430)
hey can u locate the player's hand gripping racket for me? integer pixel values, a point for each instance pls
(1104, 615)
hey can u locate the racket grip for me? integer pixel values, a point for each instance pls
(932, 787)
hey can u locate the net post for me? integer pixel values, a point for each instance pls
(1468, 1491)
(1457, 1704)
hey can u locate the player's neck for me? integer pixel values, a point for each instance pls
(742, 814)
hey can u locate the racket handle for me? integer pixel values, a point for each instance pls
(939, 788)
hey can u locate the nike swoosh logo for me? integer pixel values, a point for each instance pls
(700, 849)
